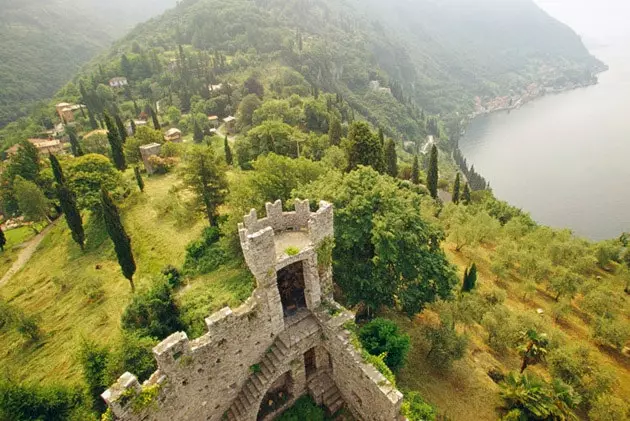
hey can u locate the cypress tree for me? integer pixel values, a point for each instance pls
(432, 173)
(122, 242)
(391, 159)
(74, 143)
(334, 132)
(470, 279)
(133, 127)
(113, 136)
(197, 133)
(456, 189)
(3, 240)
(154, 117)
(122, 131)
(68, 204)
(466, 194)
(381, 136)
(139, 179)
(93, 123)
(228, 152)
(415, 171)
(365, 148)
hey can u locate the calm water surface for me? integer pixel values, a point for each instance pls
(564, 158)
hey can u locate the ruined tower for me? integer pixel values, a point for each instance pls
(285, 341)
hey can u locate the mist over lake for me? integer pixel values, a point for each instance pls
(564, 158)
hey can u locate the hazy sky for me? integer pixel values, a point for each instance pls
(597, 21)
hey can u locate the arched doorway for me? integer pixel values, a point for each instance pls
(291, 288)
(277, 396)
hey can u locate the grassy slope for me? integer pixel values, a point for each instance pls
(15, 238)
(55, 284)
(467, 389)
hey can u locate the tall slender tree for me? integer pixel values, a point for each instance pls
(470, 278)
(122, 130)
(432, 172)
(3, 240)
(197, 132)
(139, 180)
(68, 203)
(415, 171)
(391, 159)
(334, 131)
(466, 195)
(456, 189)
(381, 136)
(118, 235)
(229, 159)
(75, 145)
(154, 117)
(133, 127)
(115, 142)
(365, 148)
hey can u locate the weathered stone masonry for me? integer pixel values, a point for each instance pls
(285, 341)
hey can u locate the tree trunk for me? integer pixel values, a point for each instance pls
(524, 365)
(133, 286)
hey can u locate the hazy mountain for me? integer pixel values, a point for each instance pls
(43, 43)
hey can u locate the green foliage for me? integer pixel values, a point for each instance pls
(384, 249)
(115, 143)
(614, 332)
(391, 159)
(3, 240)
(527, 397)
(416, 409)
(133, 354)
(466, 195)
(68, 203)
(28, 327)
(292, 251)
(324, 252)
(335, 132)
(382, 336)
(246, 109)
(365, 148)
(173, 276)
(118, 235)
(153, 313)
(206, 254)
(228, 152)
(415, 171)
(533, 349)
(270, 137)
(87, 174)
(31, 200)
(457, 189)
(37, 402)
(609, 408)
(432, 173)
(93, 359)
(303, 409)
(204, 174)
(445, 344)
(138, 176)
(143, 136)
(470, 279)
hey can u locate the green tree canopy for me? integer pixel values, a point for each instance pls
(31, 200)
(365, 148)
(382, 336)
(432, 172)
(85, 176)
(385, 250)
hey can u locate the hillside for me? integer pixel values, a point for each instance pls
(43, 43)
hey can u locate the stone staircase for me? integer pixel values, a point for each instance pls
(326, 392)
(276, 356)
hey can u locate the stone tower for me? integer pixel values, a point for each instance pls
(285, 341)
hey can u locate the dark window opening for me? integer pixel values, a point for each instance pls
(291, 288)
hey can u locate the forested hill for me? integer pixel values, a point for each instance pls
(435, 56)
(43, 43)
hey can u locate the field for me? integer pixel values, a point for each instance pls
(77, 295)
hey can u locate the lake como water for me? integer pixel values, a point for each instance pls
(564, 158)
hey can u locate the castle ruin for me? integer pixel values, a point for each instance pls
(285, 341)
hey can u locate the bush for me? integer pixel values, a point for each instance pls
(416, 409)
(27, 327)
(206, 254)
(613, 332)
(153, 313)
(303, 409)
(34, 402)
(161, 165)
(446, 345)
(134, 354)
(93, 360)
(173, 276)
(383, 336)
(502, 327)
(609, 408)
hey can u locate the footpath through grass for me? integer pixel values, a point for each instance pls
(15, 238)
(77, 295)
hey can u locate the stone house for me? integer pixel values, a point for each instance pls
(44, 147)
(147, 151)
(287, 340)
(230, 124)
(214, 121)
(118, 82)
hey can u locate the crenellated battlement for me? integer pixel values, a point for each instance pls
(249, 352)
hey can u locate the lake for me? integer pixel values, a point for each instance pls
(564, 158)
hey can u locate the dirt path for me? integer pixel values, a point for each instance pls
(26, 253)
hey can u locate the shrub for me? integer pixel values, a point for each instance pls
(503, 329)
(153, 313)
(134, 354)
(34, 402)
(613, 332)
(609, 408)
(416, 409)
(173, 276)
(292, 251)
(27, 327)
(303, 409)
(383, 336)
(93, 360)
(161, 165)
(206, 254)
(446, 345)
